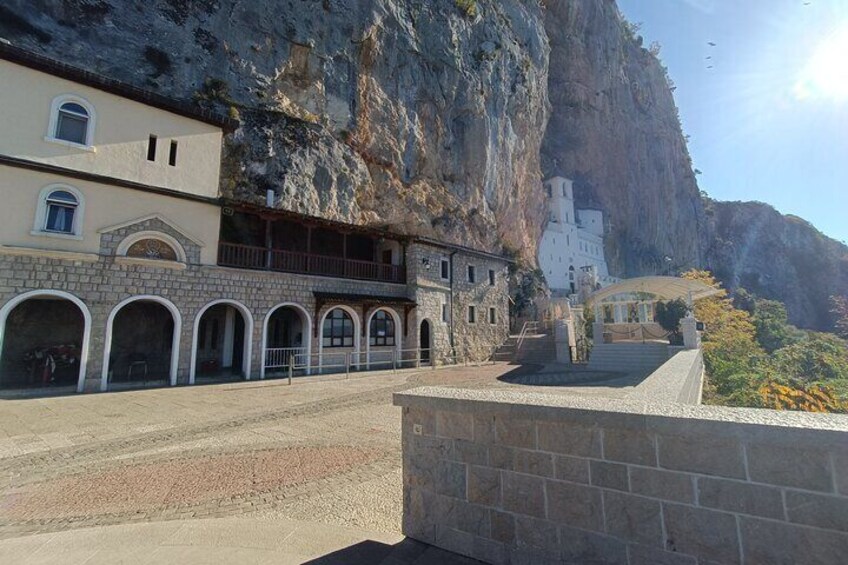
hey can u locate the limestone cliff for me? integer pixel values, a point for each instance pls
(614, 130)
(781, 257)
(423, 116)
(432, 117)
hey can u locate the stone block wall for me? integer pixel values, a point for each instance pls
(432, 291)
(512, 477)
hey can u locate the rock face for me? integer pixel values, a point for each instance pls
(614, 130)
(776, 256)
(432, 118)
(423, 116)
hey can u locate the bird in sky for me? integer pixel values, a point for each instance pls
(710, 57)
(711, 44)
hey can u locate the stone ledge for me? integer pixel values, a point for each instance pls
(674, 419)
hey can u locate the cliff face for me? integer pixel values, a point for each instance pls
(422, 116)
(431, 118)
(780, 257)
(614, 130)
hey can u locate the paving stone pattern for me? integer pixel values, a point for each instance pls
(324, 449)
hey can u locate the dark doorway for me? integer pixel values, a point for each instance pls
(220, 342)
(142, 342)
(41, 348)
(424, 335)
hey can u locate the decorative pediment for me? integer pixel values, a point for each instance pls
(153, 222)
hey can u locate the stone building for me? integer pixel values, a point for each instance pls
(571, 251)
(121, 263)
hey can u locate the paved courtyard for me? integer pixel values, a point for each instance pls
(323, 451)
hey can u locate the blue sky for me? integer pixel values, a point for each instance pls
(769, 121)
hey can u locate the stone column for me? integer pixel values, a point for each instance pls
(598, 332)
(563, 337)
(689, 329)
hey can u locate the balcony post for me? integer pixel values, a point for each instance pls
(268, 242)
(308, 248)
(344, 254)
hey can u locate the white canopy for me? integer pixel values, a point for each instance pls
(666, 288)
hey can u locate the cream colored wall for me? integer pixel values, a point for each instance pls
(104, 206)
(121, 134)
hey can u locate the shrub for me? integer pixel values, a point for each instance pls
(469, 7)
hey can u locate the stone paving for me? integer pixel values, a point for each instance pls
(323, 450)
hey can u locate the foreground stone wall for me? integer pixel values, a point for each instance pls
(544, 478)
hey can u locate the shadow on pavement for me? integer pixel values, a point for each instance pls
(407, 552)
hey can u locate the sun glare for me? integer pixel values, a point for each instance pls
(826, 73)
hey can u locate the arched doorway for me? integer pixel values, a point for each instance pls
(44, 337)
(286, 339)
(142, 342)
(222, 341)
(425, 342)
(383, 338)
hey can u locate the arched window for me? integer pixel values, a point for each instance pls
(61, 211)
(338, 329)
(382, 330)
(72, 123)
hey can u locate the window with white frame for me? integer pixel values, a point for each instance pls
(72, 121)
(472, 273)
(445, 269)
(59, 211)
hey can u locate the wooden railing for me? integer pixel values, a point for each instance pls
(249, 257)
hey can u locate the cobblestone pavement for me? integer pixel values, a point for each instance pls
(324, 451)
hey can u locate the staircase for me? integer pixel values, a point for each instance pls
(642, 358)
(535, 344)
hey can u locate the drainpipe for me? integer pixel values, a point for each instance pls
(450, 260)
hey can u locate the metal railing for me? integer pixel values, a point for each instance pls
(266, 259)
(296, 362)
(526, 329)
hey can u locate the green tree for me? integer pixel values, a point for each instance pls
(731, 351)
(773, 328)
(821, 358)
(668, 315)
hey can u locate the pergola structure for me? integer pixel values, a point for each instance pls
(627, 308)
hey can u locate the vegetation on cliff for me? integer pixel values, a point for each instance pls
(755, 358)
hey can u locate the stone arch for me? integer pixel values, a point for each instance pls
(307, 332)
(248, 336)
(169, 240)
(175, 341)
(86, 315)
(357, 333)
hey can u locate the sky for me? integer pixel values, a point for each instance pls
(769, 120)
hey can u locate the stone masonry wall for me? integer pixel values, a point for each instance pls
(513, 477)
(101, 285)
(431, 291)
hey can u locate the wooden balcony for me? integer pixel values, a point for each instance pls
(265, 259)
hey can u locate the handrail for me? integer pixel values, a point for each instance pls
(525, 329)
(353, 360)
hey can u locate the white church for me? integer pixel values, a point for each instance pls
(571, 252)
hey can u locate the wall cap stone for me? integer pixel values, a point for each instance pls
(772, 426)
